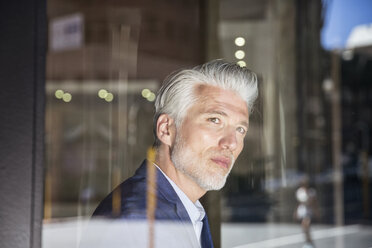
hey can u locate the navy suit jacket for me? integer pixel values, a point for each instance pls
(169, 209)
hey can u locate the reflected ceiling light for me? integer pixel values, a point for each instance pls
(102, 93)
(241, 63)
(239, 41)
(327, 85)
(59, 94)
(151, 97)
(67, 97)
(146, 93)
(240, 54)
(109, 97)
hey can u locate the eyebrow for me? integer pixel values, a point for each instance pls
(215, 112)
(244, 123)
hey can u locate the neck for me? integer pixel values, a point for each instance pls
(193, 191)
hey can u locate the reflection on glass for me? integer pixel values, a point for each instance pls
(146, 93)
(109, 97)
(102, 93)
(240, 54)
(59, 94)
(92, 146)
(122, 52)
(239, 41)
(151, 97)
(66, 97)
(241, 63)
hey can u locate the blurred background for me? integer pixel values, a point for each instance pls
(106, 60)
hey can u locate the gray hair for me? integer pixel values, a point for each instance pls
(177, 92)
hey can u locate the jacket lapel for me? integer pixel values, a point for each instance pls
(179, 213)
(165, 191)
(175, 209)
(206, 238)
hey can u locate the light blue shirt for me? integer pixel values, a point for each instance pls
(195, 211)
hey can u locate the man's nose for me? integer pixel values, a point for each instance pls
(229, 140)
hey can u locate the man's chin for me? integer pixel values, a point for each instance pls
(213, 187)
(211, 183)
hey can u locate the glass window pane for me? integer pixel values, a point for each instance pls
(303, 177)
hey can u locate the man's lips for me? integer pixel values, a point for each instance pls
(223, 161)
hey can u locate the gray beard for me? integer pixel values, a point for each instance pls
(197, 173)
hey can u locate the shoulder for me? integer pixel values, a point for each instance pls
(128, 200)
(130, 197)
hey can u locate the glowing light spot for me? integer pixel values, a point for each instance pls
(109, 97)
(146, 93)
(239, 41)
(328, 85)
(348, 55)
(241, 63)
(102, 93)
(67, 97)
(240, 54)
(151, 97)
(59, 94)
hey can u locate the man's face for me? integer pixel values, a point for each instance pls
(211, 136)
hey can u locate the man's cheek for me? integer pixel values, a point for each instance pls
(237, 152)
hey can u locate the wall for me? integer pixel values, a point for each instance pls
(22, 49)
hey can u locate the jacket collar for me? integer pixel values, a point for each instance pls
(165, 189)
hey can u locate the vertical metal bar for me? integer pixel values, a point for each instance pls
(365, 183)
(209, 22)
(151, 196)
(338, 193)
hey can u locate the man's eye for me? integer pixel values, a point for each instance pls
(214, 120)
(241, 130)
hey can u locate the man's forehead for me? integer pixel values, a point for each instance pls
(218, 100)
(202, 88)
(205, 92)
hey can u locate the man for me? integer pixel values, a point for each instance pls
(201, 119)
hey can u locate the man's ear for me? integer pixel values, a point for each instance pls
(166, 129)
